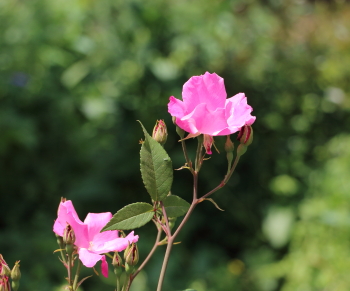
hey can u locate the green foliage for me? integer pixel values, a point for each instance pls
(131, 216)
(175, 206)
(156, 168)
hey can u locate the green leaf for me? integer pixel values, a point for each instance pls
(131, 216)
(175, 206)
(156, 168)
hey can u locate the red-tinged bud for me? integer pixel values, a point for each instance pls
(117, 263)
(117, 260)
(4, 268)
(68, 235)
(208, 141)
(131, 255)
(5, 284)
(16, 273)
(245, 136)
(160, 133)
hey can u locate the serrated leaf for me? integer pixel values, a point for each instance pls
(156, 168)
(130, 217)
(175, 206)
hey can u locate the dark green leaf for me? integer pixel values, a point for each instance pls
(131, 216)
(175, 206)
(156, 168)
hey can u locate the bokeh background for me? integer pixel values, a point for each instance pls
(75, 75)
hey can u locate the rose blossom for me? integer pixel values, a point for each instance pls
(205, 109)
(90, 242)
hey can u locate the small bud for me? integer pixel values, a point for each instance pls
(16, 273)
(5, 270)
(160, 133)
(68, 235)
(208, 141)
(245, 136)
(131, 255)
(117, 263)
(5, 284)
(229, 145)
(117, 260)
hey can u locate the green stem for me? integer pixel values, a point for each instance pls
(172, 238)
(188, 161)
(118, 283)
(199, 156)
(76, 277)
(69, 269)
(223, 182)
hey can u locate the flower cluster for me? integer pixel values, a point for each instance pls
(205, 109)
(90, 242)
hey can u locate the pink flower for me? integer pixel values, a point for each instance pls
(90, 242)
(205, 109)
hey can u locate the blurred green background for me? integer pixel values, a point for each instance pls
(75, 75)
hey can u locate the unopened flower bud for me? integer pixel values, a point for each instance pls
(229, 145)
(16, 273)
(117, 260)
(5, 270)
(131, 255)
(208, 141)
(5, 284)
(68, 235)
(160, 133)
(245, 136)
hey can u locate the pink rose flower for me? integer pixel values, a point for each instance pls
(205, 109)
(90, 242)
